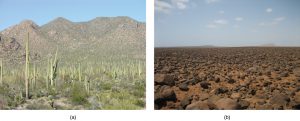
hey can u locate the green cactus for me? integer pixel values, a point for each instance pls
(27, 66)
(1, 78)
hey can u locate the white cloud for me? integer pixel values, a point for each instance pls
(275, 21)
(181, 4)
(239, 19)
(167, 6)
(269, 10)
(220, 21)
(211, 1)
(162, 6)
(279, 19)
(221, 12)
(217, 23)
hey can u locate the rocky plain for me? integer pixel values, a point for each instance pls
(231, 78)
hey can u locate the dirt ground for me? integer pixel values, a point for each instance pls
(255, 78)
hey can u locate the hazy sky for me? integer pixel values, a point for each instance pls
(43, 11)
(227, 22)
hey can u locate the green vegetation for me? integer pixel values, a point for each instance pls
(76, 80)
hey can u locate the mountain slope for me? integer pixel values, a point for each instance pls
(101, 36)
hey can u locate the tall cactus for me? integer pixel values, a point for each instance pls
(34, 76)
(79, 73)
(27, 66)
(53, 69)
(48, 73)
(1, 78)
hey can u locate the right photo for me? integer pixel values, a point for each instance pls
(227, 55)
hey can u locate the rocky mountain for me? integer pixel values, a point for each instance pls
(100, 36)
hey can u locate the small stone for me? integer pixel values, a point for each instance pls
(231, 81)
(284, 74)
(244, 104)
(183, 87)
(203, 96)
(297, 97)
(235, 95)
(199, 105)
(279, 99)
(186, 101)
(205, 85)
(227, 104)
(164, 94)
(221, 90)
(164, 79)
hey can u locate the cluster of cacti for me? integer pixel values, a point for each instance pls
(52, 70)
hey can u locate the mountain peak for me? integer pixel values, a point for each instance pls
(113, 18)
(28, 23)
(61, 20)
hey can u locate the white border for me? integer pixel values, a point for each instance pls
(150, 54)
(149, 114)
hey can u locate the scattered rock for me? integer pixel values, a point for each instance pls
(199, 105)
(205, 85)
(183, 87)
(221, 90)
(164, 79)
(165, 93)
(279, 99)
(235, 95)
(231, 81)
(186, 101)
(244, 104)
(227, 104)
(203, 96)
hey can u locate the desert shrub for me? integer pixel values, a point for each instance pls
(79, 95)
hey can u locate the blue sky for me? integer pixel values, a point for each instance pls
(43, 11)
(227, 22)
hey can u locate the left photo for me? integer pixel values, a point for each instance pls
(72, 55)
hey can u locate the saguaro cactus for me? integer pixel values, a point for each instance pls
(53, 69)
(27, 66)
(1, 78)
(79, 73)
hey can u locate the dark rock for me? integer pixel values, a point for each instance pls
(164, 94)
(221, 90)
(231, 81)
(217, 79)
(183, 87)
(186, 101)
(284, 74)
(267, 83)
(252, 92)
(279, 99)
(164, 79)
(244, 104)
(205, 85)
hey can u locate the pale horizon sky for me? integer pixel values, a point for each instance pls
(43, 11)
(227, 22)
